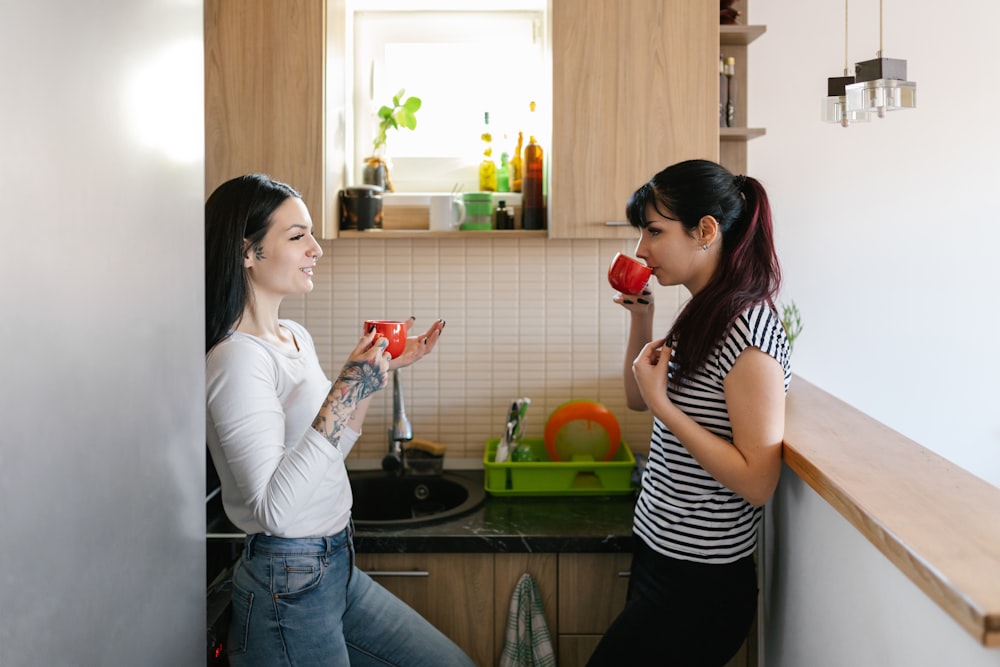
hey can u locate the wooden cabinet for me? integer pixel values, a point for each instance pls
(634, 89)
(592, 589)
(264, 94)
(453, 591)
(468, 597)
(508, 569)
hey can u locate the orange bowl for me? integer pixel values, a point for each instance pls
(580, 429)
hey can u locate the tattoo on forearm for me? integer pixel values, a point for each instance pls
(357, 381)
(360, 378)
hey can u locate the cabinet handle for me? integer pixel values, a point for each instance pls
(625, 574)
(616, 223)
(397, 573)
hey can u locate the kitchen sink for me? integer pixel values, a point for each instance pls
(383, 500)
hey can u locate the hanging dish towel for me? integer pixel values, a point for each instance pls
(527, 642)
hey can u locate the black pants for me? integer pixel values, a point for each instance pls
(680, 614)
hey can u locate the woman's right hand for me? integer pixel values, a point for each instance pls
(367, 367)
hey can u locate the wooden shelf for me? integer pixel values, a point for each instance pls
(427, 234)
(740, 35)
(740, 133)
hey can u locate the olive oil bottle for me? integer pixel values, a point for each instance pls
(487, 168)
(532, 185)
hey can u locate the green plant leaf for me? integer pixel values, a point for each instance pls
(406, 119)
(400, 114)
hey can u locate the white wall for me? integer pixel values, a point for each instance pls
(838, 602)
(102, 479)
(887, 233)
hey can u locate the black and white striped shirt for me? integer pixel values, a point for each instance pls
(682, 511)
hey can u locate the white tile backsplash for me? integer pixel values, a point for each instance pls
(525, 317)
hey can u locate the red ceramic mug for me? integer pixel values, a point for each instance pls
(393, 331)
(628, 275)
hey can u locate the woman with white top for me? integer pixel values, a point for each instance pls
(278, 431)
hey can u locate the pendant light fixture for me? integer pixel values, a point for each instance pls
(880, 84)
(835, 104)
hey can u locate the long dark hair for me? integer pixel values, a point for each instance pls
(237, 213)
(748, 273)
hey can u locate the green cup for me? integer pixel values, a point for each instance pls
(478, 204)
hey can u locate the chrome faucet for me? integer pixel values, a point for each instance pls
(401, 429)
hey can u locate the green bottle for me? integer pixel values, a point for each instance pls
(503, 173)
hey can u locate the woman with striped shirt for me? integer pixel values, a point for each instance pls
(716, 385)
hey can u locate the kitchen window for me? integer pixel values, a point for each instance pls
(461, 59)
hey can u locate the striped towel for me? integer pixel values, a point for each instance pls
(527, 642)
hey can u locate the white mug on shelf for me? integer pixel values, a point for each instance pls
(447, 212)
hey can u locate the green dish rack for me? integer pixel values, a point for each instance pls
(545, 477)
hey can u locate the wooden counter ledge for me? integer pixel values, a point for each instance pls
(939, 524)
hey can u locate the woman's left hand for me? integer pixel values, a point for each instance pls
(650, 371)
(417, 347)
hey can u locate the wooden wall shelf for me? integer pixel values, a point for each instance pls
(740, 133)
(385, 234)
(740, 35)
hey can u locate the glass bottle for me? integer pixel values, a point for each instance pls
(730, 72)
(502, 216)
(487, 168)
(532, 185)
(722, 91)
(516, 165)
(503, 173)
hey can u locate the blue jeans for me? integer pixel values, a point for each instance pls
(302, 602)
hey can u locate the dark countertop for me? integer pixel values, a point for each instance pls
(516, 525)
(550, 524)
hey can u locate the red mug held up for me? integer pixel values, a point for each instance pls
(628, 275)
(393, 331)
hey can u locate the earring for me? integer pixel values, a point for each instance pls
(705, 247)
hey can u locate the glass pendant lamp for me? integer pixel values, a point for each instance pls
(835, 103)
(880, 84)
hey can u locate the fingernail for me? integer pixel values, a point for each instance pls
(643, 301)
(627, 301)
(371, 328)
(425, 340)
(646, 292)
(443, 323)
(413, 317)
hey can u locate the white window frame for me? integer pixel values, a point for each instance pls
(449, 156)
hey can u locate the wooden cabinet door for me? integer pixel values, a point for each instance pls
(592, 589)
(452, 591)
(264, 88)
(507, 569)
(634, 89)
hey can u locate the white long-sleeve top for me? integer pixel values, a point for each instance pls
(279, 475)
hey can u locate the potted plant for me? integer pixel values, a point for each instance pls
(791, 319)
(402, 114)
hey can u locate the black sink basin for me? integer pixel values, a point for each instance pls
(382, 500)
